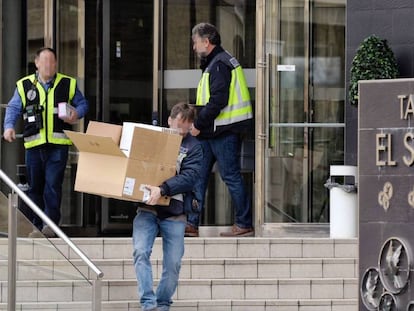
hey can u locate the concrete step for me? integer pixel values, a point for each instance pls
(206, 305)
(200, 289)
(121, 248)
(231, 274)
(250, 268)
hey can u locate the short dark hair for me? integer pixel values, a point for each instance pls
(188, 112)
(209, 31)
(45, 48)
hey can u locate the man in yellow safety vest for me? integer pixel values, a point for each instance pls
(37, 98)
(225, 111)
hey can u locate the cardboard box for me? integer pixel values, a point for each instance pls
(104, 169)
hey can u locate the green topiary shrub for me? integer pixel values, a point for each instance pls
(374, 59)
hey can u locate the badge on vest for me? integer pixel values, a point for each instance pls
(31, 94)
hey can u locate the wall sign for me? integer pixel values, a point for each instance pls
(386, 194)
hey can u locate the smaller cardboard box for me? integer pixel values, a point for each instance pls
(107, 170)
(65, 110)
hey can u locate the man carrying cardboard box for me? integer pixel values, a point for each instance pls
(169, 221)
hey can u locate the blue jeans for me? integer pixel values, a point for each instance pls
(145, 229)
(225, 150)
(45, 170)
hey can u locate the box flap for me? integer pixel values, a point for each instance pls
(105, 129)
(151, 146)
(94, 144)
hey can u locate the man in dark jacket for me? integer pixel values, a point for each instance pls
(169, 221)
(225, 113)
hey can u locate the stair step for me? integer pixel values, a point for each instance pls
(218, 274)
(205, 305)
(191, 268)
(121, 248)
(205, 289)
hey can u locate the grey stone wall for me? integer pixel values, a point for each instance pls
(391, 20)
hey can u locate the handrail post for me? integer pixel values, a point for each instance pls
(97, 295)
(12, 258)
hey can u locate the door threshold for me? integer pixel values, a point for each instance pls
(276, 230)
(212, 231)
(302, 230)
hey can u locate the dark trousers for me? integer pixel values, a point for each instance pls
(225, 150)
(45, 169)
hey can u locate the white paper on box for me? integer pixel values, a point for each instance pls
(129, 186)
(128, 132)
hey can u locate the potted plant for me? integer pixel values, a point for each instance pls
(374, 59)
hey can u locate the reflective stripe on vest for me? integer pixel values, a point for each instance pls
(47, 135)
(239, 106)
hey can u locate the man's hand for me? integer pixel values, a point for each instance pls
(9, 135)
(73, 117)
(155, 195)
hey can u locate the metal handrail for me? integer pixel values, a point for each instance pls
(96, 297)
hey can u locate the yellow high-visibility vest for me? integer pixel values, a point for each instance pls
(32, 93)
(239, 107)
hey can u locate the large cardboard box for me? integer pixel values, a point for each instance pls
(148, 156)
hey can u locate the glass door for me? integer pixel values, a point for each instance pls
(303, 107)
(126, 83)
(118, 67)
(70, 46)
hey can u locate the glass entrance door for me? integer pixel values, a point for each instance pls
(304, 107)
(126, 89)
(143, 64)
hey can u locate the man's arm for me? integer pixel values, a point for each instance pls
(13, 112)
(189, 173)
(182, 182)
(81, 105)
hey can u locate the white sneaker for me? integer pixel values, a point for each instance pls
(35, 234)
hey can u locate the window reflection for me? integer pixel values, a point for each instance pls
(35, 30)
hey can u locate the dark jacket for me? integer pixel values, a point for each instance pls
(220, 78)
(189, 162)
